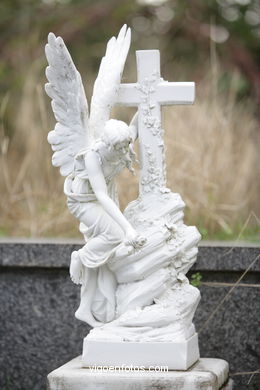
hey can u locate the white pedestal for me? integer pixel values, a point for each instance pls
(174, 355)
(210, 374)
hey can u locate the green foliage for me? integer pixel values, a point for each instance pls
(184, 31)
(250, 234)
(196, 279)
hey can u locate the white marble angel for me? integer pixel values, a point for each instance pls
(133, 265)
(91, 150)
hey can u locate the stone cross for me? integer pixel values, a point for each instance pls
(148, 94)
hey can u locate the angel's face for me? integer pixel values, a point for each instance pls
(117, 137)
(122, 147)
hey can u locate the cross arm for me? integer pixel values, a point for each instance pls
(128, 95)
(175, 92)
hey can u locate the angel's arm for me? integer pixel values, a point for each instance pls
(98, 184)
(133, 127)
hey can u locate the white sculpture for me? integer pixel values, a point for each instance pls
(132, 269)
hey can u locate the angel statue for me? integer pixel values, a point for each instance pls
(133, 265)
(91, 150)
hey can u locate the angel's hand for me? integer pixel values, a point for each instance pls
(134, 239)
(76, 269)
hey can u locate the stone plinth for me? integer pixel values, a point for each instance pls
(175, 355)
(206, 374)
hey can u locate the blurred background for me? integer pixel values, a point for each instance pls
(212, 146)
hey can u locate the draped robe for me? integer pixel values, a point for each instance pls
(101, 232)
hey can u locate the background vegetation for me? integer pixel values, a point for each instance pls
(211, 146)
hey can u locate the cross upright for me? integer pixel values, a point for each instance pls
(149, 94)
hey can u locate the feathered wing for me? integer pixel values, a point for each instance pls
(69, 105)
(107, 84)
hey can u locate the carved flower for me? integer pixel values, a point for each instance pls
(149, 121)
(171, 226)
(165, 190)
(145, 110)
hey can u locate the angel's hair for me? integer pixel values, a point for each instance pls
(116, 132)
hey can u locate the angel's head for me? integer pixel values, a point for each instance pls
(117, 137)
(116, 133)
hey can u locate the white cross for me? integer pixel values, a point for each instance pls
(149, 93)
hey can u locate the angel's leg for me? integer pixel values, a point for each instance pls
(88, 289)
(103, 235)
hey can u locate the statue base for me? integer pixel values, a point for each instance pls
(174, 355)
(211, 374)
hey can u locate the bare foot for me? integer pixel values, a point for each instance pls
(88, 318)
(76, 268)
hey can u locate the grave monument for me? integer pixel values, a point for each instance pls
(134, 292)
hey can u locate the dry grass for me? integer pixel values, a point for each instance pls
(211, 156)
(214, 160)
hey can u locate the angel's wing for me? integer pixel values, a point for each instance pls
(69, 105)
(107, 84)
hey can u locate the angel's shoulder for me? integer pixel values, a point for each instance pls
(97, 148)
(94, 151)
